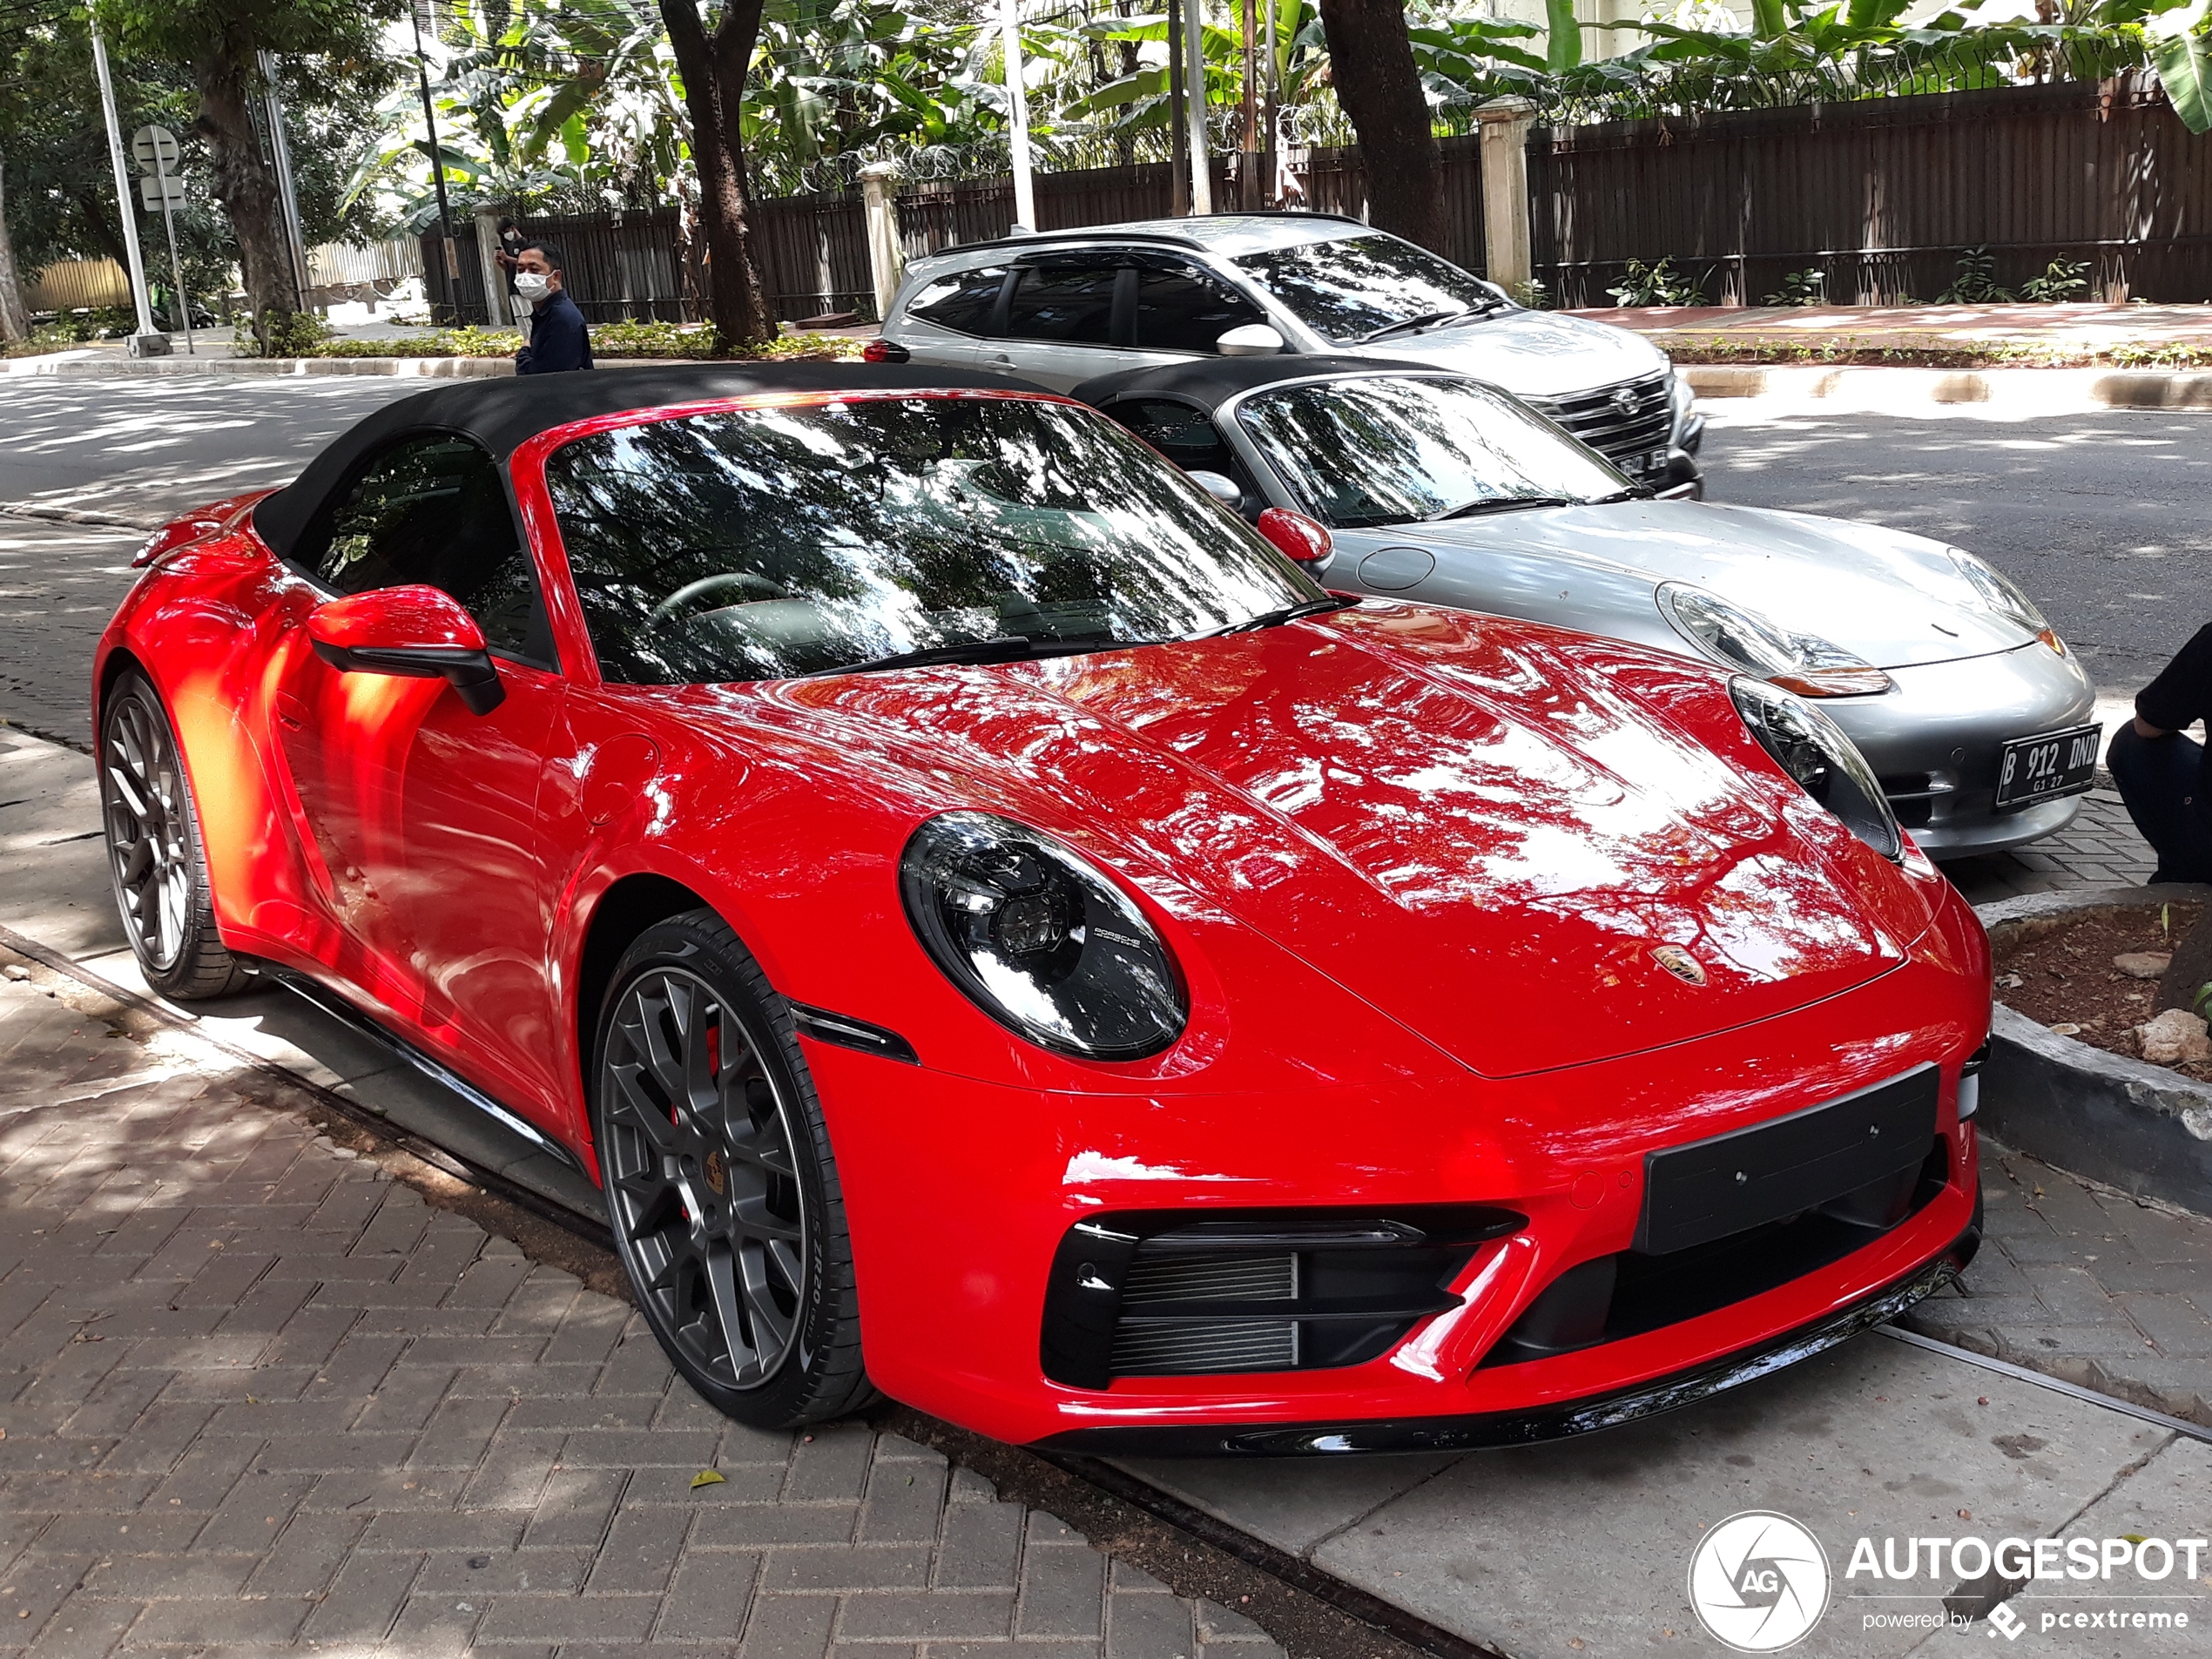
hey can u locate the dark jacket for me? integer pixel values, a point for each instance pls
(2179, 697)
(559, 340)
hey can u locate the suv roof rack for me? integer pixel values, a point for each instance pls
(1165, 238)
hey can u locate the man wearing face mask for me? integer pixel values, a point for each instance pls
(559, 340)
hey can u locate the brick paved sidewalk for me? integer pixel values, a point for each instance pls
(255, 1395)
(2086, 1282)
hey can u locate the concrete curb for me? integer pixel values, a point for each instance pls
(2009, 391)
(77, 516)
(112, 367)
(2132, 1125)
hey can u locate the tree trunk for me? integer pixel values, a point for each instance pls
(1371, 62)
(15, 320)
(714, 65)
(245, 184)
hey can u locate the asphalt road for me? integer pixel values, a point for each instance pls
(2099, 517)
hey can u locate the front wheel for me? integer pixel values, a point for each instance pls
(155, 853)
(720, 1183)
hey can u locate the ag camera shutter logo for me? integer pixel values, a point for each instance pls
(1758, 1581)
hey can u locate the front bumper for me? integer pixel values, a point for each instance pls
(1490, 1430)
(960, 1194)
(1934, 742)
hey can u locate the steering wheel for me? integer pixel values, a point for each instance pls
(744, 581)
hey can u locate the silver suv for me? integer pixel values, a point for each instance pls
(1068, 306)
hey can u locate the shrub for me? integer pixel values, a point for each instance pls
(1974, 282)
(1805, 287)
(2062, 280)
(1656, 285)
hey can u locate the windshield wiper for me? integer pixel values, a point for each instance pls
(1498, 504)
(1277, 618)
(1634, 492)
(1007, 648)
(1427, 319)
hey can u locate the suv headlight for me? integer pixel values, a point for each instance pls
(2002, 596)
(1812, 749)
(1040, 939)
(1750, 644)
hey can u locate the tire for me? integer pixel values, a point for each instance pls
(156, 862)
(720, 1183)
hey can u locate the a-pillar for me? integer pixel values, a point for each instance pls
(887, 253)
(1505, 122)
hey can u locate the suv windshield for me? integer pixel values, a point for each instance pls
(763, 543)
(1348, 288)
(1390, 451)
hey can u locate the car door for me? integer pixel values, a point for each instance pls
(419, 819)
(1186, 434)
(1061, 320)
(944, 321)
(1179, 310)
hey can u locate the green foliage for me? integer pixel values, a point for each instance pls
(283, 333)
(1974, 281)
(609, 341)
(1656, 285)
(2062, 280)
(1531, 295)
(1805, 287)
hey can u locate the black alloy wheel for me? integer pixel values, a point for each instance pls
(154, 852)
(720, 1183)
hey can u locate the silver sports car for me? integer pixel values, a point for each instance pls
(1444, 490)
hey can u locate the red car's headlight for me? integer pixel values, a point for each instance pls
(1040, 939)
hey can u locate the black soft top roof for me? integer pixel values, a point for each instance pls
(1211, 381)
(503, 414)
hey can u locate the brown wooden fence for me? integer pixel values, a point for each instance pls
(1881, 196)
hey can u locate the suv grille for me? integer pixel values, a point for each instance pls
(1169, 1292)
(1626, 423)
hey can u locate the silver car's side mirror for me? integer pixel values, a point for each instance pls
(1253, 339)
(1222, 488)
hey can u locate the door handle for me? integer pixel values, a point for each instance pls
(291, 712)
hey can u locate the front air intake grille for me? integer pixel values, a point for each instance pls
(1628, 423)
(1162, 1293)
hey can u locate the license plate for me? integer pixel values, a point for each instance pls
(2043, 768)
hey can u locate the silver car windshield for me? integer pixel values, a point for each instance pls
(1391, 451)
(1348, 288)
(768, 542)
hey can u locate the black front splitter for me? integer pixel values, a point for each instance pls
(1488, 1430)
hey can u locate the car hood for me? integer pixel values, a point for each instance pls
(1463, 821)
(1891, 597)
(1533, 354)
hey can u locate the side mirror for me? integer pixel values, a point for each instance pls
(1253, 339)
(1222, 487)
(1296, 536)
(414, 633)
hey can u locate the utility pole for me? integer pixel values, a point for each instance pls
(1248, 152)
(1017, 115)
(1178, 137)
(1194, 83)
(142, 342)
(287, 196)
(438, 175)
(1270, 165)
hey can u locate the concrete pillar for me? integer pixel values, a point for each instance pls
(497, 312)
(887, 253)
(1505, 122)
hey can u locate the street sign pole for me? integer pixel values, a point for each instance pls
(177, 273)
(122, 202)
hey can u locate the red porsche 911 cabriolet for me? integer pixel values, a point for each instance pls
(999, 932)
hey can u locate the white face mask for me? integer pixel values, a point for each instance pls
(532, 286)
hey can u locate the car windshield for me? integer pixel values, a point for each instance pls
(1393, 450)
(768, 542)
(1348, 288)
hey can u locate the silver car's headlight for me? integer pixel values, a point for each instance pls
(1750, 644)
(1040, 939)
(2002, 596)
(1812, 749)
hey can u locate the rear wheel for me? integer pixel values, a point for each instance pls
(719, 1180)
(154, 852)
